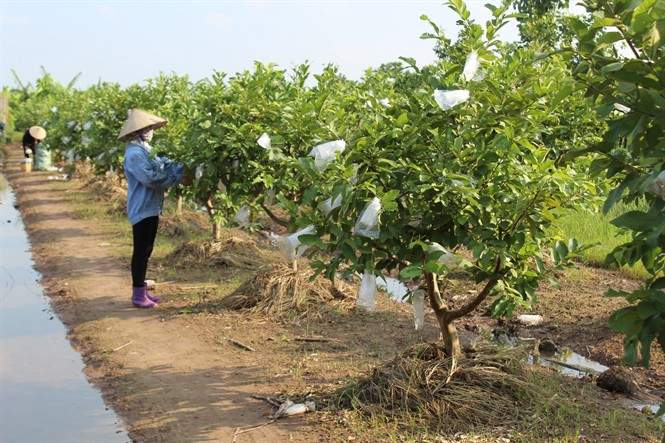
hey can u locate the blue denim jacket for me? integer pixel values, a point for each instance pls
(147, 179)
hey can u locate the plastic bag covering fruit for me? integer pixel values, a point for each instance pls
(450, 260)
(242, 217)
(622, 108)
(368, 221)
(385, 102)
(270, 197)
(395, 288)
(449, 99)
(418, 305)
(657, 187)
(367, 292)
(291, 246)
(328, 204)
(87, 126)
(471, 66)
(199, 172)
(221, 187)
(325, 153)
(264, 141)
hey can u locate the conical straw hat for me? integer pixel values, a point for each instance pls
(37, 132)
(139, 119)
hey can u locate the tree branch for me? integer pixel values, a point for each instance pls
(482, 295)
(273, 217)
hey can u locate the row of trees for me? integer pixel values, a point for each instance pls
(423, 172)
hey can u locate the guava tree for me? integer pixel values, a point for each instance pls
(620, 59)
(465, 175)
(237, 170)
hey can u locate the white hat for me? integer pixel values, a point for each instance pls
(37, 132)
(138, 119)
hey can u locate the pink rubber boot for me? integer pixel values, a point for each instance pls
(140, 299)
(151, 297)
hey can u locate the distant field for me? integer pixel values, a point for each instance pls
(589, 228)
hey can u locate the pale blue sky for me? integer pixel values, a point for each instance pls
(128, 41)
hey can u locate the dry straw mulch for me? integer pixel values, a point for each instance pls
(233, 252)
(281, 291)
(485, 389)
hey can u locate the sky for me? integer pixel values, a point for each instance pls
(128, 41)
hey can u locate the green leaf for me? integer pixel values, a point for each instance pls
(611, 67)
(410, 272)
(403, 119)
(637, 221)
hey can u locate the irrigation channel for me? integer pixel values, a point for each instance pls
(44, 395)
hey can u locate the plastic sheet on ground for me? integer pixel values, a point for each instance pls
(451, 98)
(325, 153)
(368, 221)
(367, 292)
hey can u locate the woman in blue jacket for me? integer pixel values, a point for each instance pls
(147, 176)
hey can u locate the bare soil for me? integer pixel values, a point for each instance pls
(177, 374)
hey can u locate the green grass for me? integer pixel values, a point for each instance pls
(595, 228)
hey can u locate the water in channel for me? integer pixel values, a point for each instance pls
(44, 395)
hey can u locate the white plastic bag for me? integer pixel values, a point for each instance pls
(242, 217)
(270, 197)
(471, 66)
(384, 102)
(367, 292)
(395, 288)
(368, 221)
(199, 172)
(657, 187)
(450, 260)
(418, 305)
(622, 108)
(221, 187)
(65, 140)
(291, 246)
(264, 141)
(325, 153)
(449, 99)
(87, 126)
(328, 204)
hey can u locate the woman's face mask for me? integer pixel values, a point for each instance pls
(147, 135)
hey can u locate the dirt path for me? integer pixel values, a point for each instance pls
(161, 378)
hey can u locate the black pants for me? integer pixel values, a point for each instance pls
(144, 233)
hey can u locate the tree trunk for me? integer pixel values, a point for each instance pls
(449, 334)
(178, 206)
(216, 230)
